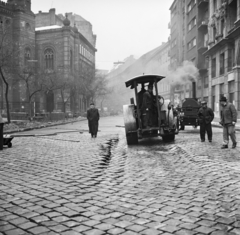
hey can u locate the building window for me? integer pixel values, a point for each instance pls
(231, 90)
(194, 42)
(222, 27)
(205, 40)
(189, 26)
(231, 97)
(27, 26)
(222, 89)
(27, 56)
(7, 22)
(214, 33)
(213, 67)
(230, 59)
(194, 21)
(205, 81)
(221, 63)
(213, 98)
(49, 58)
(189, 7)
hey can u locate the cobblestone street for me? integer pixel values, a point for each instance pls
(71, 184)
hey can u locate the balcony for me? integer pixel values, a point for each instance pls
(202, 3)
(216, 45)
(202, 47)
(235, 30)
(202, 66)
(203, 24)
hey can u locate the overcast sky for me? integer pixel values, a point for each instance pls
(123, 27)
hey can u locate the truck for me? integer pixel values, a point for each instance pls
(188, 113)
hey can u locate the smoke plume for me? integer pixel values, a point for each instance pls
(184, 74)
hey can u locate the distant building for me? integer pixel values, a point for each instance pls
(57, 45)
(158, 63)
(155, 61)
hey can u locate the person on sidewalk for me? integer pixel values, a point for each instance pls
(205, 117)
(93, 118)
(228, 119)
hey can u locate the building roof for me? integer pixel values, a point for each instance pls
(48, 27)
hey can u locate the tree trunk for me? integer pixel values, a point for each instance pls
(6, 96)
(29, 104)
(30, 109)
(64, 107)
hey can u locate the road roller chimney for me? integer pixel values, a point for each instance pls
(194, 90)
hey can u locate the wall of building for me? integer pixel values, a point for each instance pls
(47, 18)
(223, 53)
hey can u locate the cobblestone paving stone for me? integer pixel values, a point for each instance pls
(69, 184)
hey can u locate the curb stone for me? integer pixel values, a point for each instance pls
(40, 127)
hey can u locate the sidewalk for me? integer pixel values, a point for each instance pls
(216, 121)
(44, 124)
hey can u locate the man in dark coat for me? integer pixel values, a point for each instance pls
(93, 118)
(228, 115)
(147, 107)
(205, 117)
(140, 95)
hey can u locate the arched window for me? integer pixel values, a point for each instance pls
(49, 58)
(28, 27)
(27, 56)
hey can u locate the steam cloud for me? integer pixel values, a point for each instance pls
(184, 74)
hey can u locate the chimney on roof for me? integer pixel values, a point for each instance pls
(52, 12)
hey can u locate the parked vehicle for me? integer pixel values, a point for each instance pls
(164, 122)
(188, 113)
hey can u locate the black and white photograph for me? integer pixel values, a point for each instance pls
(119, 117)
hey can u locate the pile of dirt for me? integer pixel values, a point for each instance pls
(21, 125)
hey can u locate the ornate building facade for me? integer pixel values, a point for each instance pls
(224, 52)
(54, 46)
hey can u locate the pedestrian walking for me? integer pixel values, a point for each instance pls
(205, 117)
(93, 118)
(228, 116)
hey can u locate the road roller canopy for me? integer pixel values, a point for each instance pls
(150, 78)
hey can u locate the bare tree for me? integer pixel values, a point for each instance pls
(94, 85)
(33, 84)
(102, 88)
(7, 52)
